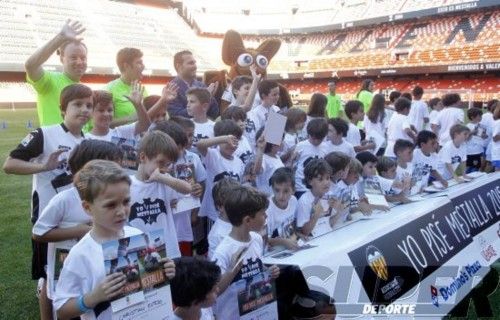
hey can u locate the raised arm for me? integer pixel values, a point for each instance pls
(71, 31)
(204, 144)
(135, 98)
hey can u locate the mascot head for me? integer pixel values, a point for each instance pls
(239, 58)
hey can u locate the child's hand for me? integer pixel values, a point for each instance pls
(169, 92)
(261, 143)
(212, 88)
(459, 179)
(155, 176)
(53, 161)
(444, 183)
(318, 210)
(397, 184)
(110, 287)
(173, 203)
(232, 140)
(136, 94)
(197, 190)
(253, 71)
(168, 267)
(381, 207)
(274, 271)
(291, 244)
(72, 30)
(365, 208)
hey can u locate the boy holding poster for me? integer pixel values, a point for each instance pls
(83, 288)
(238, 255)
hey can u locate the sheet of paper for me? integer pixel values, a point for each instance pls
(377, 199)
(274, 128)
(186, 203)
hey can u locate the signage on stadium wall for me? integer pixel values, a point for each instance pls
(394, 263)
(471, 67)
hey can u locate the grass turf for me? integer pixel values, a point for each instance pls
(17, 290)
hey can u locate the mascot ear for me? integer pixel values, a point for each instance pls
(232, 47)
(269, 47)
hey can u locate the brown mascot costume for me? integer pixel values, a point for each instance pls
(239, 59)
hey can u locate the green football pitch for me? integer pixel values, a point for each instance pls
(17, 290)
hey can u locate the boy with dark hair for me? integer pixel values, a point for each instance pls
(244, 245)
(419, 113)
(368, 177)
(194, 288)
(399, 126)
(220, 162)
(337, 130)
(391, 188)
(198, 102)
(448, 117)
(309, 149)
(244, 89)
(245, 151)
(354, 112)
(269, 92)
(478, 140)
(152, 190)
(404, 172)
(425, 159)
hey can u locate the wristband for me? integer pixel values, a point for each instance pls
(81, 305)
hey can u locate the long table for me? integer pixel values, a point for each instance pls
(418, 259)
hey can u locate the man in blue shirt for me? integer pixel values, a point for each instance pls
(185, 65)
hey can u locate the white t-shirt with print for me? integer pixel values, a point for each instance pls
(449, 153)
(418, 112)
(495, 146)
(218, 167)
(203, 131)
(126, 131)
(446, 119)
(244, 150)
(269, 165)
(306, 151)
(423, 165)
(353, 135)
(380, 126)
(184, 168)
(256, 119)
(219, 230)
(63, 211)
(83, 271)
(281, 222)
(476, 144)
(433, 118)
(227, 303)
(345, 147)
(396, 130)
(150, 210)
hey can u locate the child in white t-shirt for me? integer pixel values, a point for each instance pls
(220, 162)
(386, 168)
(194, 288)
(347, 190)
(477, 142)
(399, 126)
(354, 112)
(269, 92)
(425, 160)
(436, 106)
(316, 214)
(404, 171)
(295, 122)
(369, 174)
(63, 221)
(266, 162)
(282, 211)
(102, 113)
(244, 151)
(337, 131)
(419, 113)
(189, 168)
(309, 149)
(244, 89)
(453, 154)
(83, 288)
(198, 103)
(221, 228)
(448, 117)
(153, 190)
(239, 254)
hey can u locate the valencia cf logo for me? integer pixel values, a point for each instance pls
(377, 262)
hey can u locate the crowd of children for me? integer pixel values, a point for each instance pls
(218, 190)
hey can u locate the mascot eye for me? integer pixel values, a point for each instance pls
(262, 61)
(245, 60)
